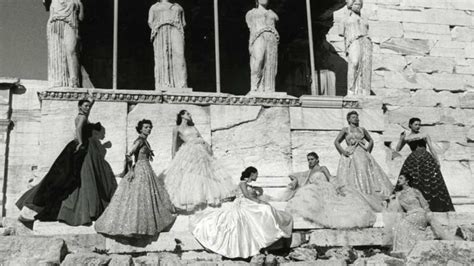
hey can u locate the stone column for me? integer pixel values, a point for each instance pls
(5, 115)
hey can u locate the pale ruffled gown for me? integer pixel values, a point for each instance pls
(141, 205)
(194, 178)
(360, 170)
(241, 228)
(317, 200)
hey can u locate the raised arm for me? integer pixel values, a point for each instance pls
(401, 142)
(367, 136)
(430, 146)
(338, 140)
(174, 142)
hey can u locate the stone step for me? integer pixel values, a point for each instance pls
(182, 223)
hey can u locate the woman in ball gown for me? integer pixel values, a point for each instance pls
(194, 178)
(412, 227)
(240, 229)
(87, 202)
(44, 201)
(357, 168)
(141, 205)
(424, 168)
(319, 199)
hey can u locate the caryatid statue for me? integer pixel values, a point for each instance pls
(167, 23)
(358, 50)
(263, 47)
(63, 42)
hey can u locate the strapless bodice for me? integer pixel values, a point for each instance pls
(190, 135)
(317, 177)
(408, 200)
(354, 138)
(416, 143)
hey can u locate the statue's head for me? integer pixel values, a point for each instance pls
(262, 2)
(355, 5)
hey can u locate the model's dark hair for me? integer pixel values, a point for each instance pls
(351, 113)
(247, 172)
(413, 120)
(179, 119)
(408, 179)
(141, 123)
(81, 102)
(315, 155)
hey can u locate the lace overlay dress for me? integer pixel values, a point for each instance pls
(141, 205)
(426, 176)
(194, 177)
(319, 202)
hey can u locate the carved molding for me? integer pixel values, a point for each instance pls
(197, 98)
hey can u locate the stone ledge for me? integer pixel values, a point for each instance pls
(197, 98)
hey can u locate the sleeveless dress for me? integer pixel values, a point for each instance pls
(64, 176)
(141, 205)
(194, 178)
(360, 170)
(87, 202)
(319, 202)
(412, 227)
(241, 228)
(426, 176)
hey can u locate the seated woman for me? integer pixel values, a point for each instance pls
(321, 202)
(242, 228)
(412, 227)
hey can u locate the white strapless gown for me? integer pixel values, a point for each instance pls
(241, 228)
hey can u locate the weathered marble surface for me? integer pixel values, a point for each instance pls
(442, 253)
(163, 117)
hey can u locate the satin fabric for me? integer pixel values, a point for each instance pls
(241, 228)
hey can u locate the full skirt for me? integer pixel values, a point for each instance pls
(241, 228)
(194, 178)
(321, 204)
(426, 177)
(140, 206)
(360, 171)
(87, 202)
(62, 179)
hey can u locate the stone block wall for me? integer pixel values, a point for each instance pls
(423, 66)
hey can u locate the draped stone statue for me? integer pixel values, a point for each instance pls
(358, 50)
(263, 47)
(63, 40)
(167, 23)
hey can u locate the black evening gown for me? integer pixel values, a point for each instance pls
(88, 201)
(426, 177)
(62, 179)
